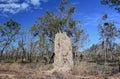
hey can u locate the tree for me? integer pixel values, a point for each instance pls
(51, 23)
(108, 34)
(32, 47)
(112, 3)
(8, 33)
(21, 44)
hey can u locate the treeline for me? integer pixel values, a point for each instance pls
(107, 48)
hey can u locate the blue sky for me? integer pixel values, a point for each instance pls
(26, 12)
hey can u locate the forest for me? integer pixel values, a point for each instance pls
(25, 56)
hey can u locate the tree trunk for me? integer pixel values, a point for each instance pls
(119, 67)
(2, 53)
(30, 57)
(16, 57)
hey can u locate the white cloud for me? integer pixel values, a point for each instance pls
(35, 2)
(9, 1)
(24, 5)
(15, 6)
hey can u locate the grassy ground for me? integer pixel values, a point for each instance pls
(82, 70)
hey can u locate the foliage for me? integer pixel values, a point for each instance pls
(118, 60)
(51, 23)
(112, 3)
(8, 33)
(108, 34)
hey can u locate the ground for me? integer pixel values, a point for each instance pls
(40, 71)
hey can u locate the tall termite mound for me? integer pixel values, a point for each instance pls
(63, 60)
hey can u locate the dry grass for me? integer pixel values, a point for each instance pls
(84, 68)
(9, 66)
(22, 71)
(46, 67)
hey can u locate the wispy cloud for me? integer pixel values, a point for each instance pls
(95, 18)
(15, 6)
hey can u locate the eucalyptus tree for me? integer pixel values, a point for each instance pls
(108, 34)
(21, 44)
(112, 3)
(32, 46)
(51, 23)
(8, 33)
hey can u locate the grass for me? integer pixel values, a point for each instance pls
(84, 68)
(34, 70)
